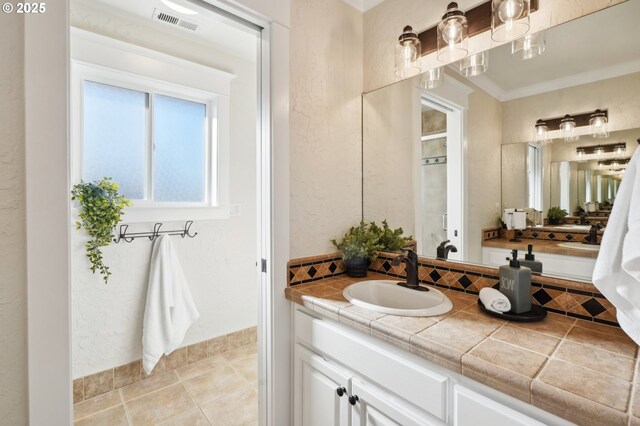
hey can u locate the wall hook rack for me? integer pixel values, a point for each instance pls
(123, 235)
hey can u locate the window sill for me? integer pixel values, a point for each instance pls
(169, 214)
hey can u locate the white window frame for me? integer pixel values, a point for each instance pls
(135, 68)
(534, 172)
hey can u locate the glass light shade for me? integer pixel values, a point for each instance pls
(528, 46)
(598, 150)
(567, 127)
(509, 19)
(541, 131)
(620, 149)
(432, 79)
(598, 124)
(600, 164)
(581, 153)
(407, 54)
(452, 35)
(475, 64)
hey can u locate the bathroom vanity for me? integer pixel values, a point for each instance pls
(358, 367)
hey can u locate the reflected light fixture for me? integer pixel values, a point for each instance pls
(567, 127)
(580, 152)
(452, 35)
(432, 79)
(407, 54)
(529, 46)
(620, 149)
(599, 150)
(475, 64)
(598, 124)
(178, 8)
(541, 131)
(509, 19)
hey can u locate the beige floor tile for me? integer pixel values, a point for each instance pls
(160, 405)
(97, 384)
(239, 408)
(587, 383)
(596, 359)
(126, 374)
(176, 359)
(214, 384)
(95, 404)
(159, 368)
(527, 339)
(78, 390)
(609, 342)
(115, 416)
(190, 418)
(197, 352)
(247, 367)
(217, 345)
(242, 352)
(148, 385)
(201, 367)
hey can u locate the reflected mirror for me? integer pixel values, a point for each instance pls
(462, 163)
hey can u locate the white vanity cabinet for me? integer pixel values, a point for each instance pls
(383, 385)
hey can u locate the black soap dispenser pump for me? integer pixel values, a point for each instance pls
(530, 261)
(515, 283)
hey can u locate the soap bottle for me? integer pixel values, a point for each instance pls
(530, 261)
(515, 283)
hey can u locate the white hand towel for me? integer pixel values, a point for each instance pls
(519, 219)
(170, 310)
(494, 301)
(617, 270)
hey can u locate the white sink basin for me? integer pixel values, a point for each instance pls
(580, 246)
(386, 297)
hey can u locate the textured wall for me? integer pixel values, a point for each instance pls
(13, 283)
(220, 263)
(383, 24)
(326, 83)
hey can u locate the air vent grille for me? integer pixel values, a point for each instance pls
(161, 16)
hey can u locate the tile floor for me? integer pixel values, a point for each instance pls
(220, 390)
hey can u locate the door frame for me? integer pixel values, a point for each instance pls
(46, 47)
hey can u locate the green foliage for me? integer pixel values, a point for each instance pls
(390, 239)
(100, 211)
(367, 239)
(500, 222)
(556, 213)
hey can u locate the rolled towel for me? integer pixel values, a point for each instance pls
(494, 301)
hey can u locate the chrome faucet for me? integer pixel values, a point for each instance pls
(442, 252)
(583, 218)
(592, 238)
(411, 261)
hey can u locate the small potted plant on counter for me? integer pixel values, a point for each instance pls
(362, 243)
(555, 215)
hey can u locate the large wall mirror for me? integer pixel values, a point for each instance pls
(446, 163)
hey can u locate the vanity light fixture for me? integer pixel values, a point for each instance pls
(598, 124)
(407, 54)
(599, 150)
(452, 35)
(567, 127)
(620, 149)
(475, 64)
(529, 46)
(432, 79)
(509, 19)
(541, 131)
(580, 152)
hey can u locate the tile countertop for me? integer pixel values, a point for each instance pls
(540, 246)
(578, 370)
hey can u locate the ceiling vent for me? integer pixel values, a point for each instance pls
(159, 15)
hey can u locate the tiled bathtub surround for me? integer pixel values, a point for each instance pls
(97, 384)
(572, 298)
(579, 370)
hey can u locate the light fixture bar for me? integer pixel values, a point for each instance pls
(580, 119)
(603, 149)
(479, 19)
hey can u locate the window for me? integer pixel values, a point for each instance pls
(157, 124)
(154, 146)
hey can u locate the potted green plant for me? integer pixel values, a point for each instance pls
(390, 239)
(359, 246)
(100, 211)
(555, 215)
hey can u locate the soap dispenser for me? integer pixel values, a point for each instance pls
(530, 261)
(515, 283)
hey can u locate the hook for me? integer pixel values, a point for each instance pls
(122, 235)
(156, 231)
(187, 227)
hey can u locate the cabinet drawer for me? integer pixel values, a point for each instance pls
(414, 383)
(473, 409)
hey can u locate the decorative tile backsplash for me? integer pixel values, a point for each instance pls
(539, 233)
(567, 297)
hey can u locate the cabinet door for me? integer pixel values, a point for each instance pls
(376, 407)
(317, 381)
(473, 409)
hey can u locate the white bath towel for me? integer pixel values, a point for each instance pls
(514, 218)
(617, 270)
(494, 301)
(170, 310)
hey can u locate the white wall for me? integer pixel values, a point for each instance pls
(326, 83)
(13, 314)
(220, 263)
